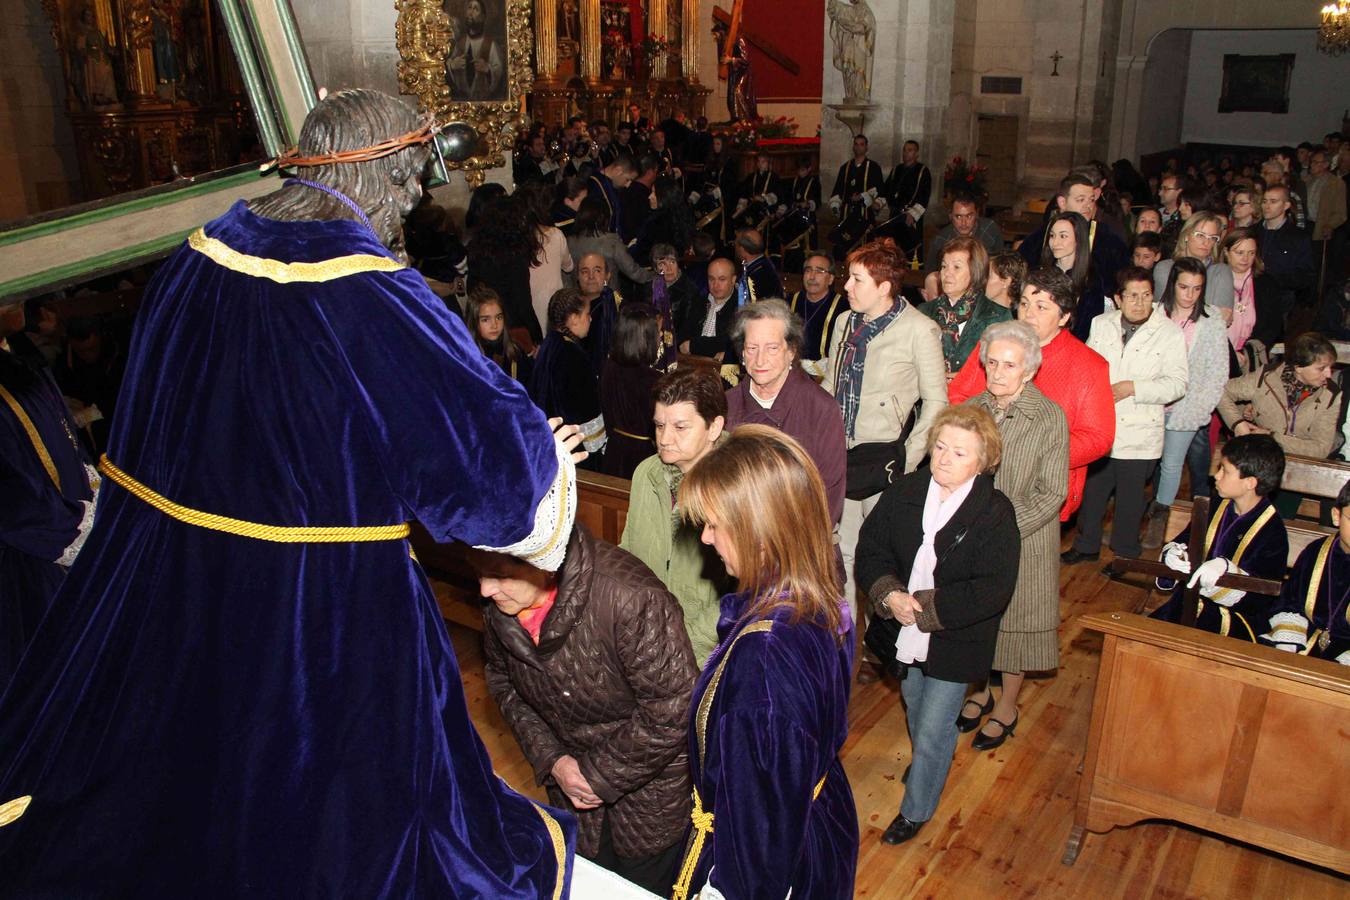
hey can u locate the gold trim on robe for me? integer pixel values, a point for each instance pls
(287, 273)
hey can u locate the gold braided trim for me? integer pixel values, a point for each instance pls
(283, 534)
(38, 446)
(1310, 602)
(555, 834)
(1248, 536)
(14, 809)
(286, 273)
(629, 434)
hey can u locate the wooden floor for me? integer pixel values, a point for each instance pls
(1004, 816)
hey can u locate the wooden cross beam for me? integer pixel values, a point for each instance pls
(761, 43)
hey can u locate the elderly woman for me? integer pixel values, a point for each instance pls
(1199, 240)
(1074, 377)
(773, 811)
(592, 672)
(939, 554)
(691, 410)
(962, 310)
(886, 358)
(1034, 476)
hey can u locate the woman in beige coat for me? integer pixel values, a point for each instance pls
(1034, 475)
(1294, 401)
(886, 358)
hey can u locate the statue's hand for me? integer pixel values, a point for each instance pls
(480, 66)
(457, 63)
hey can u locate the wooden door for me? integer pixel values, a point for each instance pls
(997, 151)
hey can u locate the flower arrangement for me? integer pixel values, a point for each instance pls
(653, 45)
(747, 133)
(614, 38)
(964, 175)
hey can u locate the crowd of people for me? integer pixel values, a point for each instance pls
(891, 461)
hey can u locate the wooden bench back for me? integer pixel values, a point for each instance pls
(1300, 534)
(1315, 477)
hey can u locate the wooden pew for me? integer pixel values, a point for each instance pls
(1244, 741)
(602, 506)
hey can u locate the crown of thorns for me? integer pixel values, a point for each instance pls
(292, 158)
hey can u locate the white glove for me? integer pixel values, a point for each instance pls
(835, 205)
(741, 205)
(1209, 573)
(693, 198)
(770, 199)
(870, 197)
(717, 193)
(1176, 557)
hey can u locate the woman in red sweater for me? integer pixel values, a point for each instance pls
(1071, 375)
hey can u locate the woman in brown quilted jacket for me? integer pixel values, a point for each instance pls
(593, 672)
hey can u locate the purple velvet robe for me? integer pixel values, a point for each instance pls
(776, 724)
(203, 714)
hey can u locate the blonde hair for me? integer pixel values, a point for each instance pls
(977, 420)
(763, 491)
(1188, 229)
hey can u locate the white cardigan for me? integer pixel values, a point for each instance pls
(1155, 360)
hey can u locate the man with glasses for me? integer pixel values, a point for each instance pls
(819, 307)
(1169, 193)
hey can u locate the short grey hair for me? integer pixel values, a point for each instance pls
(1019, 333)
(772, 308)
(664, 251)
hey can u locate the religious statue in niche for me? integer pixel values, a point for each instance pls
(853, 31)
(168, 70)
(92, 63)
(735, 55)
(477, 60)
(569, 26)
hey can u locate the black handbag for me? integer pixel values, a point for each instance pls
(880, 638)
(871, 467)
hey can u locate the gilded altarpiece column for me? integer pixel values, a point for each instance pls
(590, 41)
(658, 21)
(689, 39)
(546, 40)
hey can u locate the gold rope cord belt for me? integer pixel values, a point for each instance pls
(283, 534)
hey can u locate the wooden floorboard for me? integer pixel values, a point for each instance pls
(1005, 814)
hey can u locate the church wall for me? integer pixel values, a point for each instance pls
(38, 169)
(1317, 96)
(1164, 92)
(796, 29)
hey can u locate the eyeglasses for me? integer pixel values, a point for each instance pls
(1205, 235)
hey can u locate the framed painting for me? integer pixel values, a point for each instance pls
(468, 63)
(1256, 83)
(53, 250)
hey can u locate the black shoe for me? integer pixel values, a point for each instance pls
(965, 723)
(1073, 556)
(1110, 571)
(900, 830)
(985, 742)
(904, 779)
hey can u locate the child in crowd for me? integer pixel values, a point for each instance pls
(1146, 249)
(1311, 616)
(487, 323)
(1245, 537)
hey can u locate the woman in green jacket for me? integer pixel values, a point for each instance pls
(962, 310)
(691, 410)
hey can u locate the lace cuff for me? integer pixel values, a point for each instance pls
(67, 557)
(1344, 658)
(1288, 628)
(546, 544)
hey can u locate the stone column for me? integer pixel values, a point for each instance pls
(545, 40)
(590, 41)
(658, 24)
(912, 64)
(689, 38)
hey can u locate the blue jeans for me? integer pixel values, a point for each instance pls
(1183, 448)
(931, 706)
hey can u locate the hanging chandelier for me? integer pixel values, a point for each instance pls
(1334, 35)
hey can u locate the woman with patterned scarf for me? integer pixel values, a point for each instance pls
(962, 310)
(884, 358)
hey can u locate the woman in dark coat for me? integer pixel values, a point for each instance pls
(500, 254)
(939, 554)
(563, 383)
(773, 811)
(592, 670)
(627, 382)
